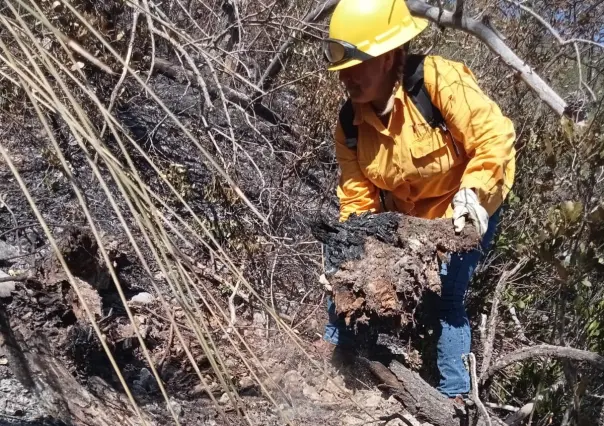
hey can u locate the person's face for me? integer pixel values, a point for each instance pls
(365, 81)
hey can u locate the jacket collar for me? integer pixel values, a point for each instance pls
(364, 113)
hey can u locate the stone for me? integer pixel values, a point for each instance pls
(246, 382)
(143, 298)
(176, 407)
(259, 319)
(311, 393)
(7, 251)
(7, 288)
(372, 400)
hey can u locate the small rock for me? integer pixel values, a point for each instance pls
(3, 361)
(372, 400)
(224, 398)
(146, 380)
(8, 251)
(8, 287)
(246, 382)
(176, 407)
(311, 393)
(259, 319)
(325, 282)
(143, 298)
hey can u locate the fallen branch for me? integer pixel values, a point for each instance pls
(518, 326)
(521, 414)
(545, 351)
(16, 278)
(418, 397)
(504, 407)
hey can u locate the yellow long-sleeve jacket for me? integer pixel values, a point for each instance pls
(422, 168)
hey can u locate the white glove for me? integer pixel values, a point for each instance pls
(466, 205)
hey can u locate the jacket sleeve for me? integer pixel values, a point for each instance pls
(356, 193)
(478, 123)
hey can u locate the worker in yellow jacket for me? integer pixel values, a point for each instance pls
(396, 159)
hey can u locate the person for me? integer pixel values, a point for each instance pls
(398, 160)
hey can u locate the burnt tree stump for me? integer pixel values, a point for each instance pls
(379, 265)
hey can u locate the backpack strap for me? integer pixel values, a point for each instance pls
(351, 132)
(413, 82)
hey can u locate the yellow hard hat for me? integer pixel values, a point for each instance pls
(363, 29)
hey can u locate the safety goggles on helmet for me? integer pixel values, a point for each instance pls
(339, 51)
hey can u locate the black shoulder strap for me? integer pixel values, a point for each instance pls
(351, 132)
(413, 82)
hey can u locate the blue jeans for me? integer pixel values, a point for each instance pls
(454, 335)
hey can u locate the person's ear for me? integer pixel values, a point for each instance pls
(389, 58)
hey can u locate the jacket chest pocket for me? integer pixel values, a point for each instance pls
(433, 151)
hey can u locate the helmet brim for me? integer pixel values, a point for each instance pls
(420, 24)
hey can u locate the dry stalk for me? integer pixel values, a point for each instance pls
(500, 287)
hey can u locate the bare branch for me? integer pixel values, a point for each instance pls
(552, 30)
(277, 62)
(474, 393)
(546, 351)
(483, 32)
(493, 42)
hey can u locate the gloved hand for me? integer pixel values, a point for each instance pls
(466, 206)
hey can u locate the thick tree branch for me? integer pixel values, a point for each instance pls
(418, 397)
(546, 351)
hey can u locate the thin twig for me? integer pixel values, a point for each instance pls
(474, 382)
(161, 363)
(16, 278)
(551, 29)
(546, 351)
(118, 86)
(232, 306)
(488, 347)
(518, 326)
